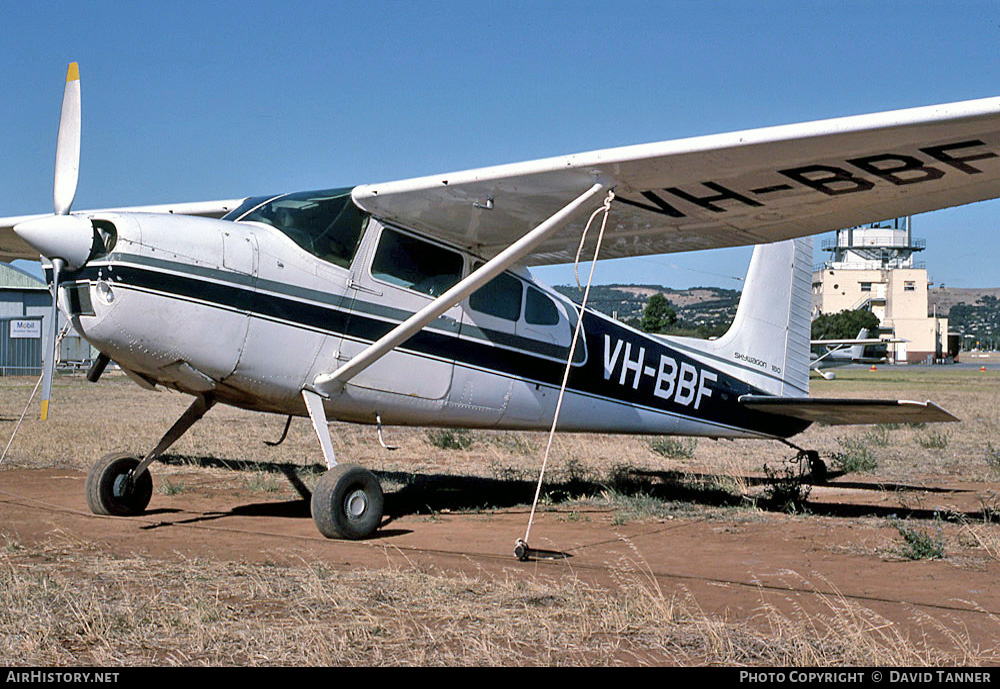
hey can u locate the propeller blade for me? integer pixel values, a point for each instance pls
(68, 144)
(62, 236)
(50, 361)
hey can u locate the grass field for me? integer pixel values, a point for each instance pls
(70, 601)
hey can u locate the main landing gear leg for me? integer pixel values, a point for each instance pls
(817, 467)
(347, 501)
(119, 483)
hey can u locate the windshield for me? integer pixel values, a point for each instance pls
(325, 223)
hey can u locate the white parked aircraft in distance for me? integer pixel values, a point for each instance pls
(831, 353)
(408, 302)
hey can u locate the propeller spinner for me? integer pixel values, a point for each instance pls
(63, 239)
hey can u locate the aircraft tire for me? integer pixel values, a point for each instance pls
(108, 492)
(347, 503)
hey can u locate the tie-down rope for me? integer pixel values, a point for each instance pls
(59, 338)
(605, 208)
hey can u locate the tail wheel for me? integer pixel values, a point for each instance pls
(816, 466)
(111, 490)
(347, 503)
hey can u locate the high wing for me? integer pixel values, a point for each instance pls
(850, 343)
(13, 247)
(749, 187)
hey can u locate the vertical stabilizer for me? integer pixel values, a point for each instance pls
(858, 350)
(768, 342)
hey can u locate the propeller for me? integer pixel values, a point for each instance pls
(68, 144)
(63, 239)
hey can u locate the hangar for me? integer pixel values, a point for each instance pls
(25, 305)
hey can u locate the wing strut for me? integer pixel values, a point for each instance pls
(327, 383)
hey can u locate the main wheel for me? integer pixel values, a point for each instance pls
(347, 502)
(109, 490)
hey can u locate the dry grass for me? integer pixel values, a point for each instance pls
(848, 634)
(955, 450)
(68, 604)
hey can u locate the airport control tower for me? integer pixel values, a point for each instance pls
(878, 246)
(872, 267)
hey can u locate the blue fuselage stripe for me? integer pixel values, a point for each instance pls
(336, 318)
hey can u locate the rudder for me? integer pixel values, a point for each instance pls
(768, 342)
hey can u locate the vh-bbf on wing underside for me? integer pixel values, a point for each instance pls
(751, 187)
(748, 187)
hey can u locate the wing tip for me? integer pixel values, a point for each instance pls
(73, 72)
(945, 416)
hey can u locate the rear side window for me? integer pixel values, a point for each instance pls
(539, 309)
(415, 264)
(500, 297)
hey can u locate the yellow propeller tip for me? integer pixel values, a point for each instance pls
(73, 73)
(45, 409)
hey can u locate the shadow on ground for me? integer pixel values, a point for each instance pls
(415, 494)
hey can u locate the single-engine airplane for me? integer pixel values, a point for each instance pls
(830, 353)
(409, 303)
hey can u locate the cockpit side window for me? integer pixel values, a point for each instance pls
(415, 264)
(325, 223)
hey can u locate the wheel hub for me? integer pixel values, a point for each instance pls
(356, 504)
(122, 486)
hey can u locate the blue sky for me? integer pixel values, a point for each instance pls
(194, 101)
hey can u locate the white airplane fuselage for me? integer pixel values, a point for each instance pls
(241, 312)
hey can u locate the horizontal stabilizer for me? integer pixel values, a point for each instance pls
(843, 412)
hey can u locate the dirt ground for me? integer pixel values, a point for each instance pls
(444, 516)
(727, 567)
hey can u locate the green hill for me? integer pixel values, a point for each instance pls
(701, 311)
